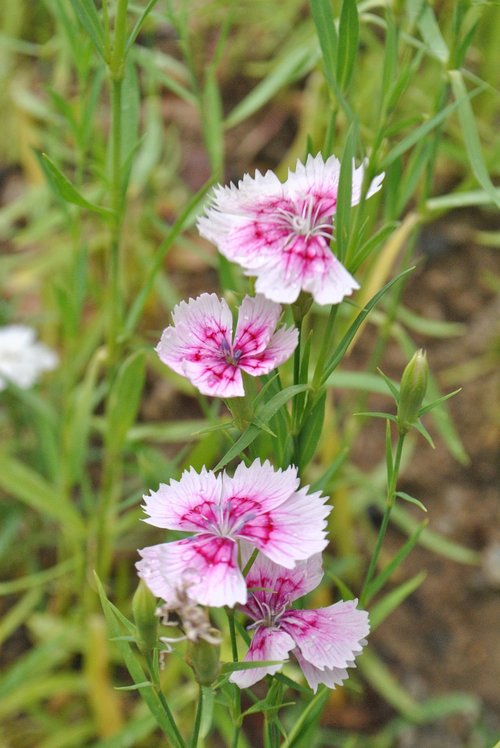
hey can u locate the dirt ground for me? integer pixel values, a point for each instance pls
(446, 638)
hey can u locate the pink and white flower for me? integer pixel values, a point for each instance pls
(259, 505)
(324, 641)
(200, 344)
(281, 232)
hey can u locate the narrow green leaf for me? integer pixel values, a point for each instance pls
(88, 16)
(186, 216)
(383, 577)
(212, 121)
(342, 347)
(264, 415)
(419, 133)
(471, 135)
(133, 664)
(231, 667)
(134, 686)
(62, 187)
(411, 499)
(308, 717)
(347, 46)
(435, 403)
(324, 21)
(290, 68)
(310, 432)
(344, 198)
(431, 34)
(26, 485)
(384, 683)
(124, 399)
(139, 24)
(393, 599)
(433, 541)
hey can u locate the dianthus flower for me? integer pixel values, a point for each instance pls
(324, 641)
(281, 233)
(200, 344)
(22, 360)
(259, 505)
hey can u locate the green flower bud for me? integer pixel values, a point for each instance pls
(203, 658)
(412, 390)
(144, 606)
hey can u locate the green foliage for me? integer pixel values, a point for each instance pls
(120, 117)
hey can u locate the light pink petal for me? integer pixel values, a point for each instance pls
(186, 504)
(280, 348)
(210, 562)
(215, 378)
(291, 532)
(331, 284)
(200, 327)
(267, 644)
(329, 637)
(257, 320)
(276, 284)
(260, 484)
(330, 677)
(276, 587)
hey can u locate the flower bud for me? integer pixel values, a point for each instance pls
(412, 390)
(203, 658)
(144, 611)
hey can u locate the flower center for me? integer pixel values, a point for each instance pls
(231, 357)
(267, 615)
(306, 219)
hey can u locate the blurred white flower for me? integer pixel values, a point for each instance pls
(22, 359)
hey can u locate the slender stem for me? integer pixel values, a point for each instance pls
(197, 721)
(232, 633)
(326, 346)
(152, 672)
(391, 498)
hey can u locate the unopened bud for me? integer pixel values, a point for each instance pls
(412, 390)
(203, 657)
(144, 606)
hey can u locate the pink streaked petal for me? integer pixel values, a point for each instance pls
(328, 637)
(230, 207)
(293, 531)
(280, 348)
(254, 241)
(257, 320)
(267, 644)
(332, 284)
(210, 562)
(276, 586)
(200, 326)
(215, 378)
(266, 487)
(185, 504)
(315, 676)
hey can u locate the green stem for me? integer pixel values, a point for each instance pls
(152, 672)
(232, 634)
(326, 346)
(391, 498)
(197, 721)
